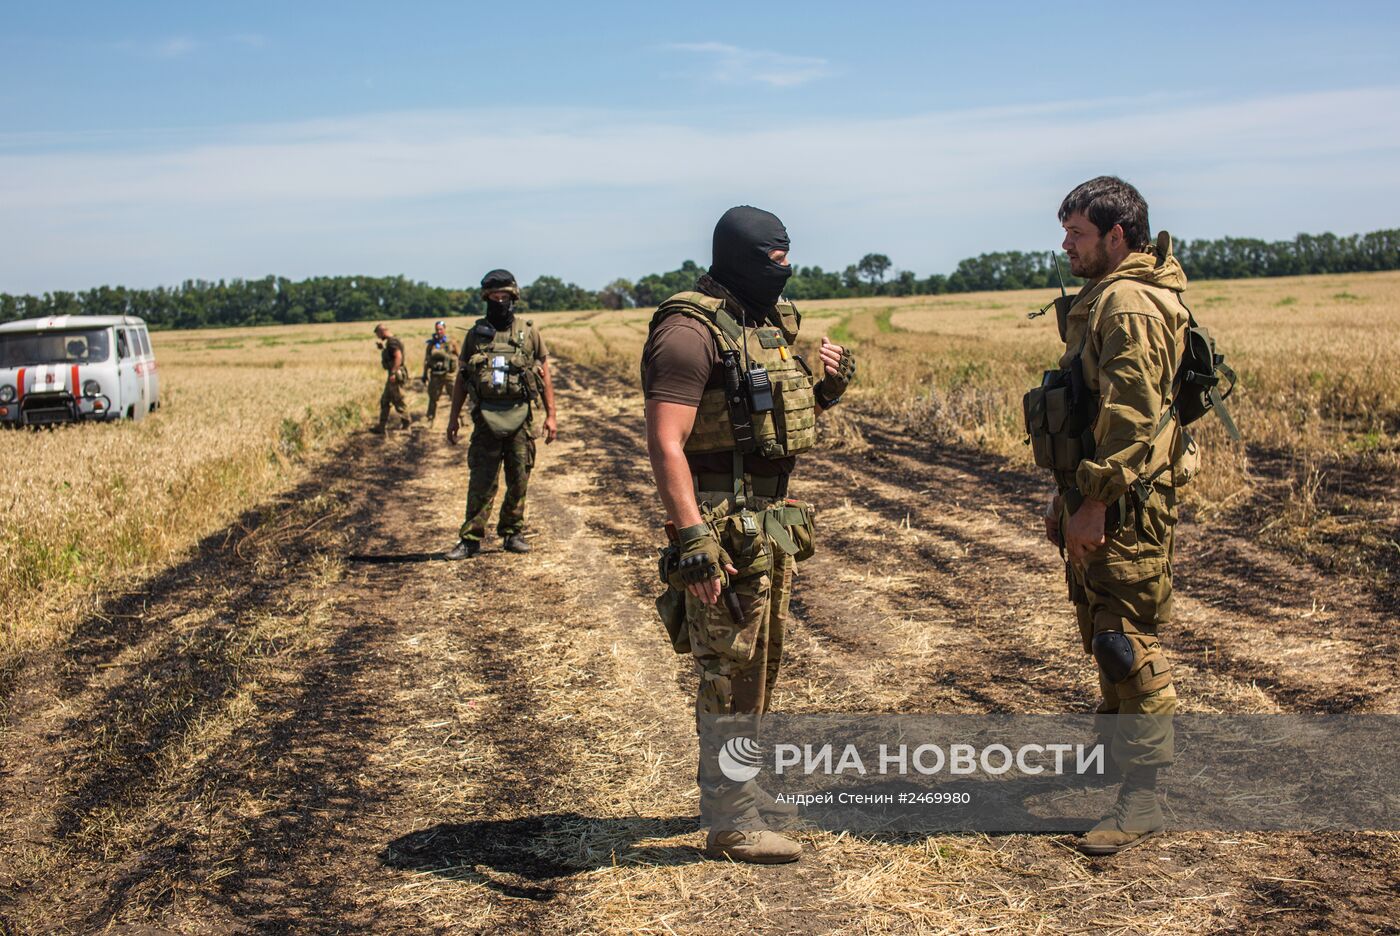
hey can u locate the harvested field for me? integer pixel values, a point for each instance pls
(289, 716)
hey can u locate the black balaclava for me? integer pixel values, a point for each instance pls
(499, 314)
(743, 238)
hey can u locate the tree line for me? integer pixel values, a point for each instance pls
(275, 300)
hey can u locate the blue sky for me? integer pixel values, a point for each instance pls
(146, 143)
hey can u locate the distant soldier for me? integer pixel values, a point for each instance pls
(396, 375)
(721, 461)
(439, 366)
(504, 372)
(1106, 425)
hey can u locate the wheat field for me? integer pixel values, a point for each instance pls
(248, 411)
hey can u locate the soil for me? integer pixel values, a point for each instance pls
(316, 724)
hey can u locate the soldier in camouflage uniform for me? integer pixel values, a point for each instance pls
(396, 375)
(1106, 425)
(722, 473)
(504, 372)
(439, 366)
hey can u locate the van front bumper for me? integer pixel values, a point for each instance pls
(51, 409)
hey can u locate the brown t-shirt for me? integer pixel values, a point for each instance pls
(679, 363)
(386, 355)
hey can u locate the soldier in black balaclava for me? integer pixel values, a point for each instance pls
(504, 372)
(742, 261)
(722, 463)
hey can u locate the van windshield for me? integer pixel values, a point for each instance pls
(74, 346)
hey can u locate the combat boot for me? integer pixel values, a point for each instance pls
(515, 543)
(1134, 818)
(405, 423)
(748, 841)
(464, 549)
(377, 430)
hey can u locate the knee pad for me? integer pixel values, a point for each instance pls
(1133, 663)
(1114, 653)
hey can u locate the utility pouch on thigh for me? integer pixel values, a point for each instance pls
(744, 537)
(671, 604)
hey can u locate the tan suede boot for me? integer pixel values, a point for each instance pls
(1134, 818)
(762, 846)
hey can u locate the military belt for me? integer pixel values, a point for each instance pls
(774, 486)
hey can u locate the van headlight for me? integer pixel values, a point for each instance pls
(7, 393)
(92, 388)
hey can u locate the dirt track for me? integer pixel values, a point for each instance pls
(315, 726)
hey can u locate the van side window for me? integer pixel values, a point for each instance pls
(123, 350)
(145, 342)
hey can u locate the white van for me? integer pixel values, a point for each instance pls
(76, 367)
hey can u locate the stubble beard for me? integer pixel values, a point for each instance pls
(1092, 266)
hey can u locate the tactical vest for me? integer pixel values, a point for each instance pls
(440, 358)
(502, 369)
(789, 426)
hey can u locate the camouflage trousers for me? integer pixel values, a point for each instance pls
(1126, 588)
(486, 455)
(737, 664)
(392, 396)
(437, 384)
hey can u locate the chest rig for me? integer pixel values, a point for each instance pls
(440, 357)
(501, 363)
(1060, 413)
(765, 405)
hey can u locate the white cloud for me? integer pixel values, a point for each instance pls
(736, 65)
(175, 47)
(596, 194)
(249, 40)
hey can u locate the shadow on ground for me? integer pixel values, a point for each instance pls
(396, 558)
(525, 858)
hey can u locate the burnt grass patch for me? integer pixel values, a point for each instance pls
(120, 756)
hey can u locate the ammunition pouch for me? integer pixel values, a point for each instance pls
(1059, 419)
(752, 537)
(799, 519)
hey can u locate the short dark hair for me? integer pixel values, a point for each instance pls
(1106, 201)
